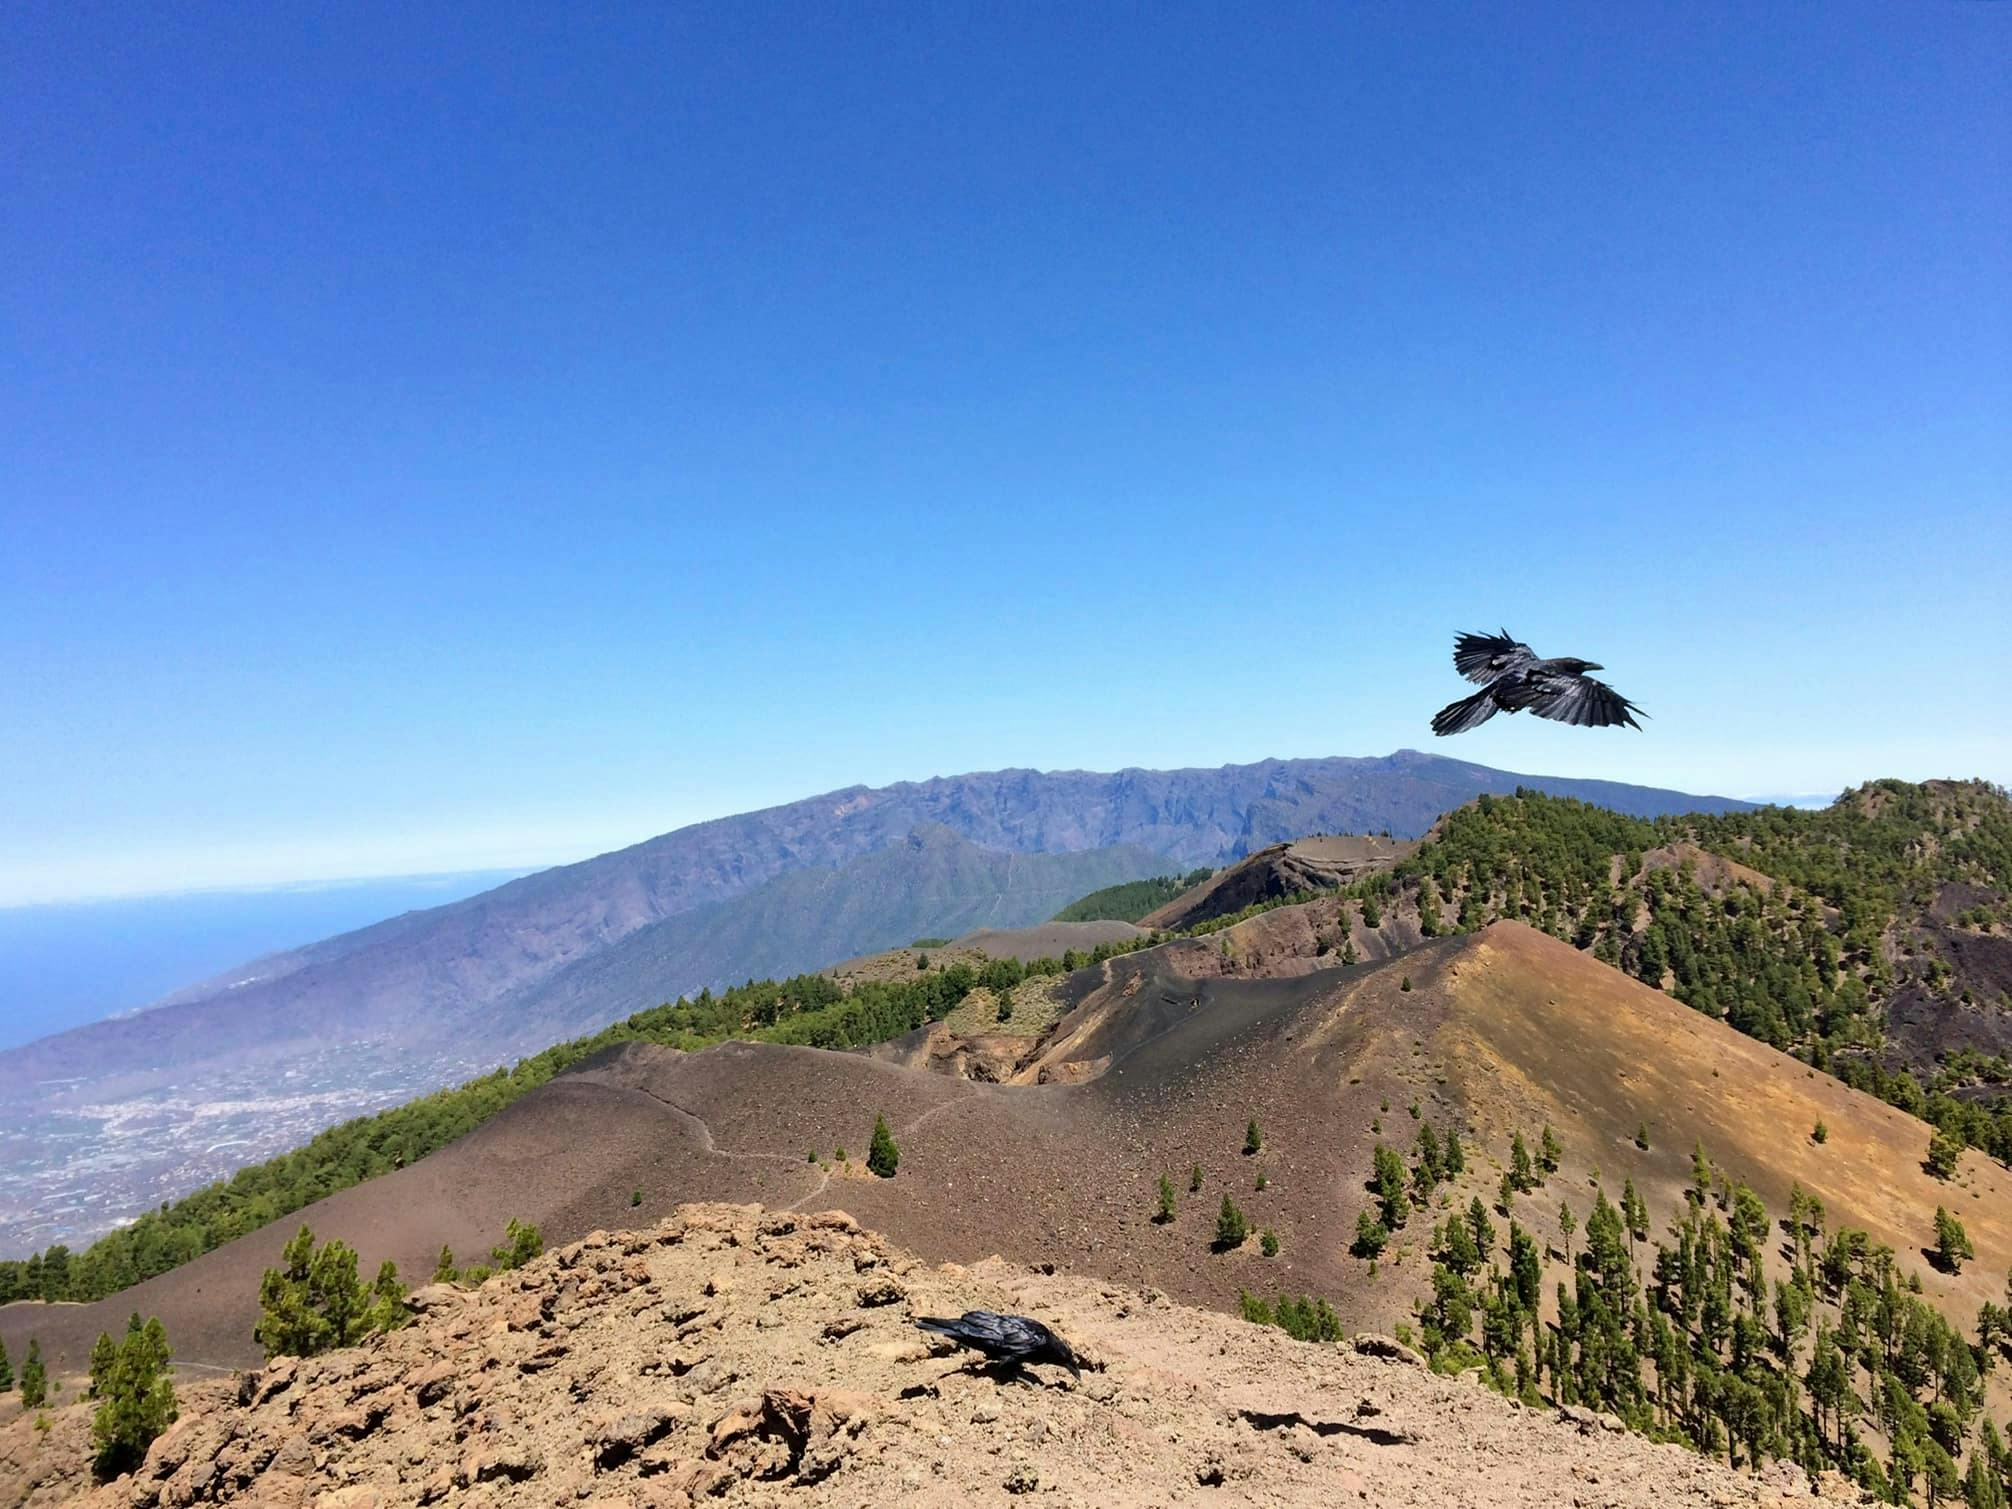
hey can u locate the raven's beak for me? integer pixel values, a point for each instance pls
(1594, 665)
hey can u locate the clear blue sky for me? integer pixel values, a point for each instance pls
(432, 440)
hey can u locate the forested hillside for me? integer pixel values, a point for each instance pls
(1807, 930)
(1132, 900)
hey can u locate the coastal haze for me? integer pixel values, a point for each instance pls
(99, 1123)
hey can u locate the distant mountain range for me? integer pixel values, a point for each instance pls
(257, 1057)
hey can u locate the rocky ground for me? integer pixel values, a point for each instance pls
(767, 1358)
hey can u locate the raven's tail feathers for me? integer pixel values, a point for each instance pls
(1468, 712)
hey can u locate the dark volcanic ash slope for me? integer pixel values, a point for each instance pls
(1502, 1031)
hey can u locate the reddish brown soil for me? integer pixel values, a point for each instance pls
(739, 1357)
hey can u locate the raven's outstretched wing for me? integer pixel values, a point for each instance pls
(1578, 700)
(1468, 712)
(1483, 657)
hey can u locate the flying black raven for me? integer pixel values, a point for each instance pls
(1006, 1340)
(1515, 680)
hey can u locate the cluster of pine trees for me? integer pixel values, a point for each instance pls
(1835, 1362)
(1131, 900)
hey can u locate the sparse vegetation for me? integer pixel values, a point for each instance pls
(1165, 1212)
(521, 1243)
(1253, 1140)
(1819, 1133)
(1268, 1242)
(1195, 1179)
(1302, 1319)
(1370, 1236)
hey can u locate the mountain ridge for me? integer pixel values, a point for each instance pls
(364, 1020)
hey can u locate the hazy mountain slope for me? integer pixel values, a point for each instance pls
(934, 884)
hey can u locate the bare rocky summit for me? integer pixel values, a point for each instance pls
(741, 1356)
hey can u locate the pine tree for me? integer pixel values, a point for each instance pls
(521, 1243)
(1231, 1227)
(103, 1355)
(1635, 1215)
(138, 1400)
(1505, 1194)
(1195, 1179)
(34, 1378)
(444, 1271)
(1548, 1151)
(1519, 1164)
(1454, 1160)
(315, 1301)
(1481, 1228)
(1370, 1236)
(1525, 1268)
(6, 1370)
(1945, 1151)
(1567, 1225)
(1952, 1243)
(1166, 1210)
(1253, 1140)
(883, 1157)
(1390, 1187)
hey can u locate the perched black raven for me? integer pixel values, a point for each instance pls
(1006, 1340)
(1515, 680)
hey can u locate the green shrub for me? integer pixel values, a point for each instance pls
(883, 1157)
(315, 1302)
(137, 1399)
(1231, 1228)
